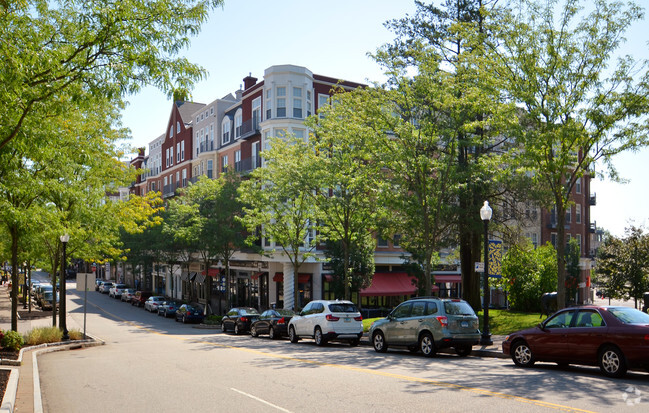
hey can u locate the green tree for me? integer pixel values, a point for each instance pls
(527, 274)
(279, 205)
(348, 183)
(555, 62)
(450, 138)
(573, 254)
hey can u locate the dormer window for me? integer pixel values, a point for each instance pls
(225, 131)
(238, 120)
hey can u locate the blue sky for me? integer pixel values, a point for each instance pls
(333, 38)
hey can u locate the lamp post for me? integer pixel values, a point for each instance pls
(62, 311)
(485, 215)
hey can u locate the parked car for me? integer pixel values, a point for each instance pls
(105, 287)
(32, 288)
(128, 294)
(98, 283)
(168, 308)
(116, 290)
(615, 338)
(42, 289)
(152, 303)
(428, 324)
(273, 322)
(189, 314)
(140, 298)
(46, 300)
(239, 319)
(325, 320)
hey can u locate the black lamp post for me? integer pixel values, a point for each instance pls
(485, 215)
(62, 311)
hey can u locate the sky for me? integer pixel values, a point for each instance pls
(333, 38)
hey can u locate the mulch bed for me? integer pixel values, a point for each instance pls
(4, 378)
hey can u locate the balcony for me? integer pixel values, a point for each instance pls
(593, 200)
(169, 191)
(592, 227)
(249, 128)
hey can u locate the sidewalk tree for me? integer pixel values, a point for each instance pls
(278, 206)
(556, 58)
(55, 49)
(348, 183)
(451, 123)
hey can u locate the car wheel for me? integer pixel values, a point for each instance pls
(427, 345)
(378, 341)
(317, 336)
(522, 354)
(223, 327)
(184, 320)
(463, 351)
(253, 331)
(236, 329)
(271, 333)
(291, 335)
(611, 362)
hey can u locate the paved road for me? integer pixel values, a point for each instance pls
(154, 364)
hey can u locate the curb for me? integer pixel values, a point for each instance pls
(9, 399)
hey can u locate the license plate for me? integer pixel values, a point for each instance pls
(347, 319)
(465, 324)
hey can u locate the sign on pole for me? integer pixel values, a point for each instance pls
(479, 267)
(495, 258)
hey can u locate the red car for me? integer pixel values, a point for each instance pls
(140, 298)
(615, 338)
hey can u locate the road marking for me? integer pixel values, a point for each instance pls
(281, 409)
(366, 371)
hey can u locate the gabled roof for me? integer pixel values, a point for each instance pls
(186, 109)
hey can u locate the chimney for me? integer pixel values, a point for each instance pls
(249, 81)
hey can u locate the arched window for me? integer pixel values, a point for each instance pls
(225, 130)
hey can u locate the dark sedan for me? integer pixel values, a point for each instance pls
(168, 308)
(239, 319)
(615, 338)
(273, 322)
(189, 314)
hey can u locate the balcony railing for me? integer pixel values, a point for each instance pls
(249, 128)
(169, 190)
(593, 200)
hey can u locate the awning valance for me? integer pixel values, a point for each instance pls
(256, 275)
(200, 278)
(212, 272)
(390, 284)
(302, 278)
(449, 278)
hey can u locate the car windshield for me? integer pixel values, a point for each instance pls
(285, 312)
(629, 315)
(343, 308)
(458, 308)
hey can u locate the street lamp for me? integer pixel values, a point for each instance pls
(485, 215)
(62, 311)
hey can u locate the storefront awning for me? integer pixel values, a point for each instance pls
(212, 272)
(302, 278)
(256, 275)
(200, 278)
(184, 276)
(192, 276)
(390, 284)
(449, 278)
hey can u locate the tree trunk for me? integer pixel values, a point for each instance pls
(14, 278)
(561, 254)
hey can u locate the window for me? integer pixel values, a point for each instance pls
(299, 133)
(212, 110)
(323, 100)
(578, 185)
(177, 127)
(177, 179)
(182, 150)
(184, 177)
(308, 103)
(166, 182)
(553, 239)
(396, 240)
(224, 163)
(256, 160)
(225, 131)
(381, 242)
(171, 131)
(578, 237)
(578, 213)
(167, 158)
(209, 168)
(237, 124)
(177, 152)
(281, 102)
(256, 113)
(568, 214)
(268, 104)
(535, 239)
(297, 102)
(237, 160)
(211, 147)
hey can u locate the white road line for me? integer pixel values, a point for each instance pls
(281, 409)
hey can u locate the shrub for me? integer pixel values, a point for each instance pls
(75, 335)
(213, 319)
(41, 335)
(12, 340)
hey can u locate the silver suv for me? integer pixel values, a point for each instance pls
(325, 320)
(428, 324)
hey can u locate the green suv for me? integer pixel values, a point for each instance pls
(428, 324)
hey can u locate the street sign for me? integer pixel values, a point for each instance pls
(479, 267)
(495, 258)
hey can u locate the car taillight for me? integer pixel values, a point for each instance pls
(442, 320)
(244, 319)
(332, 318)
(281, 321)
(359, 318)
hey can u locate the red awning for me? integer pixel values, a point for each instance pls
(212, 272)
(256, 275)
(302, 278)
(449, 278)
(390, 284)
